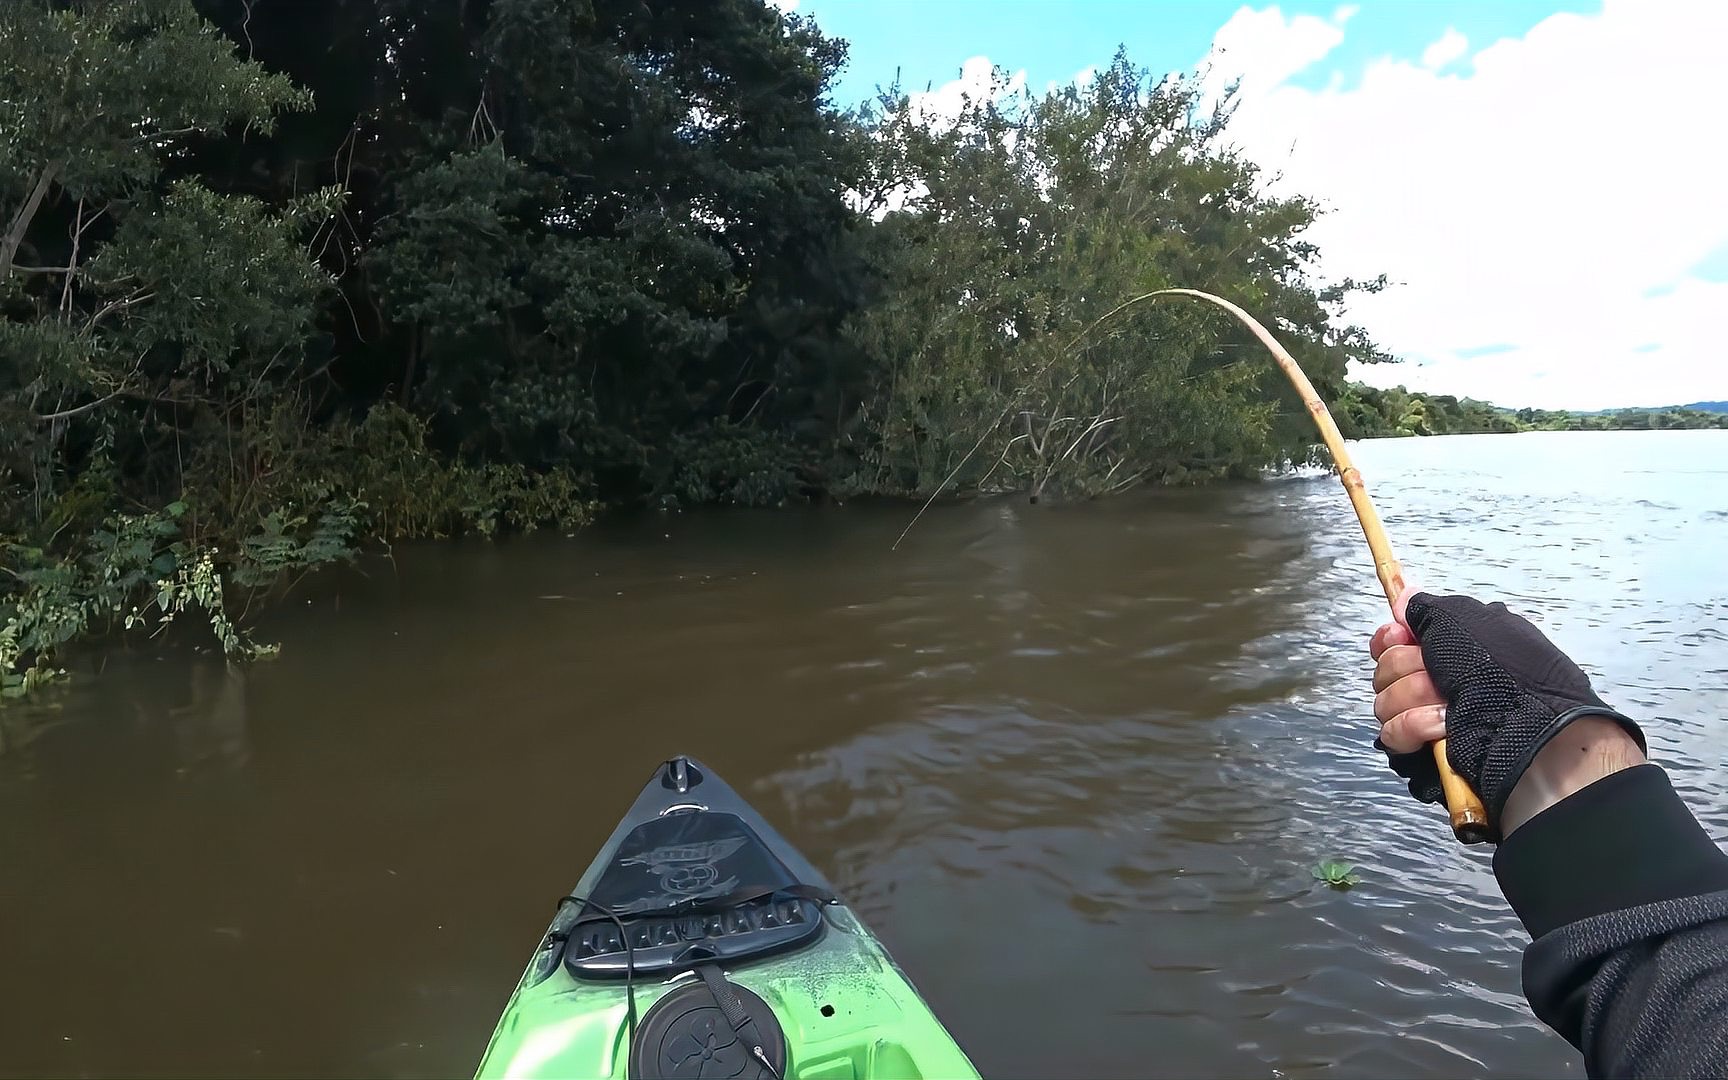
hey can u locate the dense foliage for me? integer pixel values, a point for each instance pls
(276, 278)
(279, 279)
(1009, 236)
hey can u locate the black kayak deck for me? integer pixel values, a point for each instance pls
(691, 874)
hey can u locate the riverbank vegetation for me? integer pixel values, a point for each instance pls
(281, 280)
(1364, 412)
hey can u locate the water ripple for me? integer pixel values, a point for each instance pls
(1075, 764)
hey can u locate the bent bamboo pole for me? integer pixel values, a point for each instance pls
(1469, 819)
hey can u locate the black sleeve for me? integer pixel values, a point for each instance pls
(1626, 899)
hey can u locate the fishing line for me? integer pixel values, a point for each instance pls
(1469, 818)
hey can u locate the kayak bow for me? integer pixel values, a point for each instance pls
(701, 944)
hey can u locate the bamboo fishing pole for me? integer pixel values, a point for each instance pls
(1469, 819)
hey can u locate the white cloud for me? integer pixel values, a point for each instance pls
(1081, 79)
(1263, 48)
(978, 81)
(1448, 47)
(1548, 195)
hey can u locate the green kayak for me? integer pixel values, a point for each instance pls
(701, 944)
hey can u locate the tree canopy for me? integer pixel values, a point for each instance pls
(1007, 238)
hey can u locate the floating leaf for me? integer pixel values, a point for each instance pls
(1339, 875)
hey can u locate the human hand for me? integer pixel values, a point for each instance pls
(1502, 695)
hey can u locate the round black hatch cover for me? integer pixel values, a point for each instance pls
(685, 1036)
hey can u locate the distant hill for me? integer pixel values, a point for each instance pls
(1706, 406)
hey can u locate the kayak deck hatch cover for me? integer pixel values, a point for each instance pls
(701, 944)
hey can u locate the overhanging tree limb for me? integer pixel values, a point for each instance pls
(67, 414)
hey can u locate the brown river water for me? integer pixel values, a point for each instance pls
(1073, 763)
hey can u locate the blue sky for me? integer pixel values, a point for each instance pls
(1538, 179)
(926, 41)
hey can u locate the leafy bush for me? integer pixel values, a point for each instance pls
(320, 497)
(731, 463)
(138, 571)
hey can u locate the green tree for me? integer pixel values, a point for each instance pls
(135, 315)
(1008, 235)
(129, 304)
(580, 234)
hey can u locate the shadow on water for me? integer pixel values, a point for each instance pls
(1073, 763)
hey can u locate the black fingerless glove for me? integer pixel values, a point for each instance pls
(1508, 692)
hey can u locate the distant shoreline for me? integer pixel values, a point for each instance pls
(1367, 412)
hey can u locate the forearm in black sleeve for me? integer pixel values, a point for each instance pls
(1626, 899)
